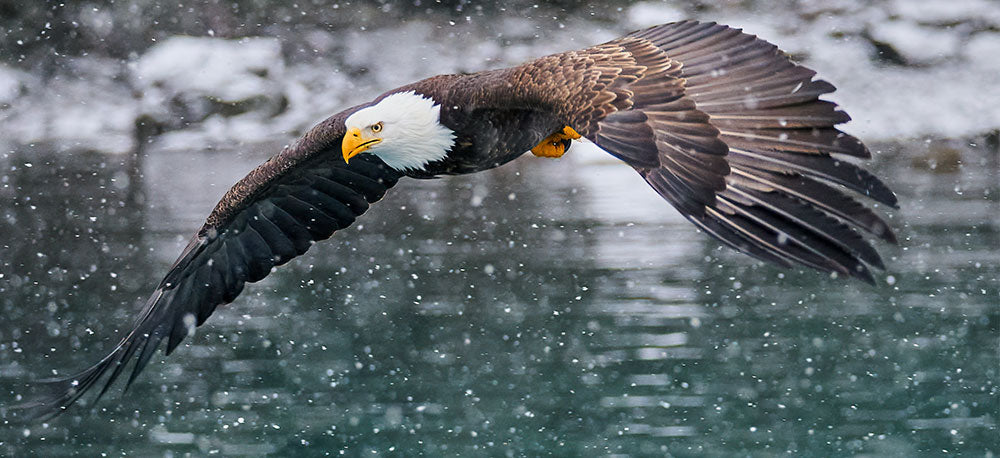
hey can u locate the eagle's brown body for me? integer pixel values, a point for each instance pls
(719, 123)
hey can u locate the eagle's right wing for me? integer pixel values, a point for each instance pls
(274, 214)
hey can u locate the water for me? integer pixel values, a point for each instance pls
(548, 307)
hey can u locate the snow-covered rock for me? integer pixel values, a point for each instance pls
(188, 79)
(984, 50)
(983, 13)
(951, 92)
(210, 91)
(645, 15)
(918, 44)
(84, 108)
(11, 85)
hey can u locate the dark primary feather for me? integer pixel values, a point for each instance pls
(298, 197)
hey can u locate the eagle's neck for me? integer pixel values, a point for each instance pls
(417, 135)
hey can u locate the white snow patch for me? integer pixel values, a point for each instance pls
(905, 103)
(312, 92)
(984, 50)
(192, 79)
(947, 11)
(916, 43)
(886, 101)
(415, 50)
(88, 112)
(953, 94)
(227, 70)
(11, 84)
(649, 14)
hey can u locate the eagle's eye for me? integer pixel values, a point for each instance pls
(377, 127)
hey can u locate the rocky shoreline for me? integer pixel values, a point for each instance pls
(905, 70)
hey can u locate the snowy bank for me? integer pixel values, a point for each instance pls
(904, 69)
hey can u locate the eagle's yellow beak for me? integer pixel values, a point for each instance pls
(355, 143)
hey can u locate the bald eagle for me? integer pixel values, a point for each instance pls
(720, 123)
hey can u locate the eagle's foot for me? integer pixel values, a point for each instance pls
(555, 145)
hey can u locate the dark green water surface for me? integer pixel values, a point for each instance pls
(549, 307)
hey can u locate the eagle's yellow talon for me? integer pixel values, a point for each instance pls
(548, 149)
(555, 145)
(569, 133)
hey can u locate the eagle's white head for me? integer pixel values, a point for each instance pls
(402, 129)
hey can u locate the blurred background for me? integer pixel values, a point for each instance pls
(547, 307)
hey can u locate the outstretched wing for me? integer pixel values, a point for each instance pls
(733, 134)
(302, 195)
